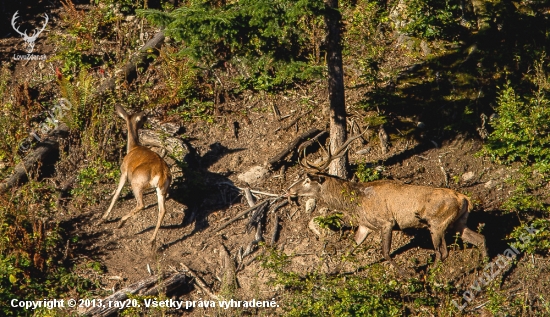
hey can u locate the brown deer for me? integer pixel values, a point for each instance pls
(386, 205)
(143, 168)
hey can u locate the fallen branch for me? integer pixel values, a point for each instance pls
(275, 233)
(311, 141)
(140, 59)
(293, 122)
(274, 162)
(199, 282)
(156, 139)
(279, 205)
(49, 145)
(244, 213)
(249, 198)
(149, 286)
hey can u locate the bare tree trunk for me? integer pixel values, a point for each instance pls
(337, 108)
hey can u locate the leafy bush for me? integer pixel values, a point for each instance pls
(266, 40)
(521, 136)
(431, 19)
(371, 291)
(367, 174)
(530, 243)
(31, 250)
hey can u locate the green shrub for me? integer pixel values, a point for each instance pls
(267, 41)
(431, 19)
(367, 174)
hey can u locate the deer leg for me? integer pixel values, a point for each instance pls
(361, 234)
(444, 252)
(386, 245)
(121, 182)
(437, 238)
(476, 239)
(138, 192)
(161, 198)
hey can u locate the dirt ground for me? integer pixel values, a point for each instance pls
(218, 156)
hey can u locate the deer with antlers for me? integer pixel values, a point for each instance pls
(385, 205)
(29, 40)
(143, 168)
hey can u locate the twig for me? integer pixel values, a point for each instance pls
(279, 205)
(293, 122)
(275, 233)
(248, 195)
(199, 281)
(258, 205)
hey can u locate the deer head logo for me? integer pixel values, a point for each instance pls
(29, 40)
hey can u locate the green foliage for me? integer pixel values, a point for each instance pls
(367, 174)
(31, 250)
(332, 221)
(522, 132)
(267, 40)
(369, 292)
(531, 243)
(431, 19)
(97, 172)
(521, 136)
(363, 41)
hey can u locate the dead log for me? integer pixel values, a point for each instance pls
(153, 138)
(49, 145)
(153, 285)
(140, 59)
(275, 233)
(274, 162)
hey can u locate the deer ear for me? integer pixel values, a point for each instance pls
(121, 112)
(140, 117)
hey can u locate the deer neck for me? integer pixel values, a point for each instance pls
(133, 140)
(338, 194)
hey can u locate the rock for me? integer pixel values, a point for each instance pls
(420, 125)
(314, 227)
(490, 184)
(425, 48)
(468, 176)
(253, 175)
(363, 151)
(310, 205)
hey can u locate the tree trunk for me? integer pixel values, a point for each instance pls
(337, 107)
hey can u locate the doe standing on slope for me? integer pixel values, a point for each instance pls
(143, 168)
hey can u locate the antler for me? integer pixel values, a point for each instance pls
(15, 16)
(341, 151)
